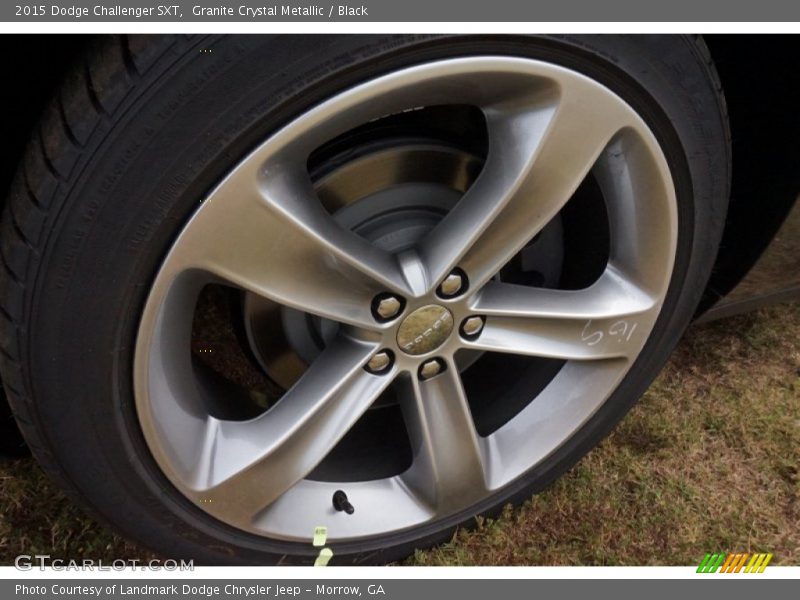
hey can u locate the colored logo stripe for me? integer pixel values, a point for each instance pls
(740, 562)
(727, 563)
(733, 563)
(711, 562)
(758, 563)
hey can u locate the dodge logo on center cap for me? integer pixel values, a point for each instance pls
(425, 329)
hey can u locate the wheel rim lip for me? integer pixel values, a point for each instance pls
(279, 520)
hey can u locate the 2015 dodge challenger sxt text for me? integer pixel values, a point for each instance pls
(255, 284)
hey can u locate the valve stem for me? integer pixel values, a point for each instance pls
(341, 503)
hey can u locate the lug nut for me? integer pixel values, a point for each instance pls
(471, 326)
(386, 307)
(430, 368)
(380, 362)
(453, 285)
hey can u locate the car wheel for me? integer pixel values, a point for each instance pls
(254, 285)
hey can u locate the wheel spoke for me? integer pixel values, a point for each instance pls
(246, 466)
(271, 236)
(448, 470)
(538, 156)
(610, 319)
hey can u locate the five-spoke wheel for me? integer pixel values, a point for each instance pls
(416, 317)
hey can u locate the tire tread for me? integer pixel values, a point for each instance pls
(67, 133)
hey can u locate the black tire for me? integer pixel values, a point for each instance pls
(144, 126)
(11, 442)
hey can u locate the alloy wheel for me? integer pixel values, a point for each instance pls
(412, 319)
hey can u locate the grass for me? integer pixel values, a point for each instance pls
(708, 460)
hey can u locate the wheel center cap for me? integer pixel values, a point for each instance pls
(425, 329)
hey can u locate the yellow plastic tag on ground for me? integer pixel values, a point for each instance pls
(320, 535)
(324, 556)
